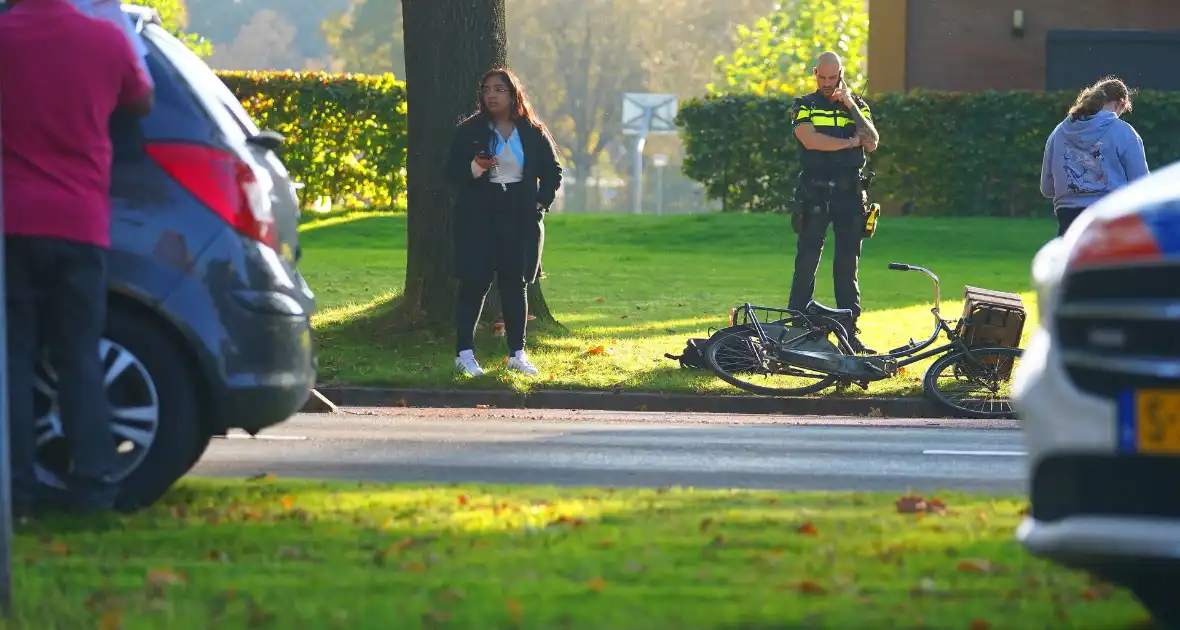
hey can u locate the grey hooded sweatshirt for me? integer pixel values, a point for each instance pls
(1090, 157)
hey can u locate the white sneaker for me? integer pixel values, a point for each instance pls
(520, 363)
(467, 364)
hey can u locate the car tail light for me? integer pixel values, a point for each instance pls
(1121, 240)
(224, 183)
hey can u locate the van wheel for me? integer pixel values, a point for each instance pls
(155, 419)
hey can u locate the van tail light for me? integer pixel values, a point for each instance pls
(224, 183)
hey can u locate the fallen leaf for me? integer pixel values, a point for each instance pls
(600, 299)
(596, 584)
(808, 587)
(515, 610)
(111, 620)
(979, 624)
(567, 520)
(159, 579)
(807, 529)
(911, 504)
(59, 549)
(975, 565)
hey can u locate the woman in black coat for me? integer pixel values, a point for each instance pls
(504, 164)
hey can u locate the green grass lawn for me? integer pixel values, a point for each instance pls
(631, 288)
(282, 554)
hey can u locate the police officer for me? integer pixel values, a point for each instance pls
(834, 129)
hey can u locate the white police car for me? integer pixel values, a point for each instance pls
(1098, 394)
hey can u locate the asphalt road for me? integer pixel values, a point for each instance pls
(631, 449)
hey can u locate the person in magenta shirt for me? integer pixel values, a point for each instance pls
(64, 74)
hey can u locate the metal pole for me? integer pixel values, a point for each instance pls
(660, 190)
(637, 163)
(5, 441)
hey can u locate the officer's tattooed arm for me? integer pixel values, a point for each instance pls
(864, 127)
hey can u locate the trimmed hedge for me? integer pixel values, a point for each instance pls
(941, 153)
(346, 133)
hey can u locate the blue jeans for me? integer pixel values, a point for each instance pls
(57, 301)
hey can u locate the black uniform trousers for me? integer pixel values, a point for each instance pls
(845, 213)
(504, 264)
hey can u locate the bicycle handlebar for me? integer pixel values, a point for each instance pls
(937, 290)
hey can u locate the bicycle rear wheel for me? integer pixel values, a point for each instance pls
(741, 358)
(973, 384)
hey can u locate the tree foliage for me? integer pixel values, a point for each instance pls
(776, 54)
(226, 22)
(576, 57)
(174, 16)
(346, 134)
(368, 37)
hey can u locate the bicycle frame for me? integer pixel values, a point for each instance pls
(908, 354)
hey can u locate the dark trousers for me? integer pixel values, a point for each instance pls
(1066, 217)
(505, 261)
(469, 305)
(56, 300)
(845, 212)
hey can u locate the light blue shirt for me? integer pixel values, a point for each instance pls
(498, 144)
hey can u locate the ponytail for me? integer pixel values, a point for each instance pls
(1093, 99)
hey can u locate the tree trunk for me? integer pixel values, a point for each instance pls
(449, 44)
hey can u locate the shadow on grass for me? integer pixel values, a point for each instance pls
(287, 554)
(631, 289)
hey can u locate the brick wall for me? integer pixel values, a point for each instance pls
(968, 44)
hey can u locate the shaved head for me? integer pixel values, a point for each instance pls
(828, 71)
(828, 58)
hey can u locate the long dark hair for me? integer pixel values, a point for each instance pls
(522, 107)
(1092, 99)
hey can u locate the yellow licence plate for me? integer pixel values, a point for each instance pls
(1151, 418)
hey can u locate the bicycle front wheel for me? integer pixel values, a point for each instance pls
(974, 383)
(741, 358)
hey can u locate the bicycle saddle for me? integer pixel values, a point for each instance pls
(815, 308)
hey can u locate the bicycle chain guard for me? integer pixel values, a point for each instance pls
(845, 366)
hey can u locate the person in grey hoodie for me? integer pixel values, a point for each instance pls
(1092, 152)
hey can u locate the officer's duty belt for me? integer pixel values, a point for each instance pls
(842, 183)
